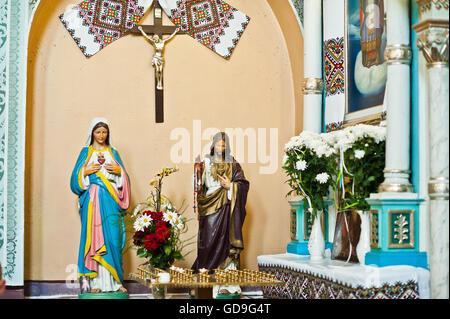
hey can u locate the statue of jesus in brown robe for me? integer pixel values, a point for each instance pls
(221, 197)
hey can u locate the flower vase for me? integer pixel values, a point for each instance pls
(159, 292)
(364, 239)
(346, 236)
(316, 243)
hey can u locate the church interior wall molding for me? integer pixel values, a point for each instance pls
(15, 16)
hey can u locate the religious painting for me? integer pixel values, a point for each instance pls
(366, 73)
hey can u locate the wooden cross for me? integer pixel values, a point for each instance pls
(159, 29)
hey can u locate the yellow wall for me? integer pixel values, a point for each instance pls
(294, 41)
(254, 89)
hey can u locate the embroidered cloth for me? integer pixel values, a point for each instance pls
(334, 279)
(94, 24)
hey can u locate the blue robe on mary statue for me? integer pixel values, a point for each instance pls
(102, 199)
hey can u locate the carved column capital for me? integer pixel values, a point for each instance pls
(433, 41)
(426, 5)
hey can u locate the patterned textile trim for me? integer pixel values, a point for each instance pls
(304, 285)
(213, 23)
(334, 126)
(94, 24)
(334, 66)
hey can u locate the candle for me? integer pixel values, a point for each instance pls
(164, 277)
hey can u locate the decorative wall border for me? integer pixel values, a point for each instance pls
(297, 6)
(334, 64)
(32, 6)
(15, 20)
(336, 71)
(4, 67)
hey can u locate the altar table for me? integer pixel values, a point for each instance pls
(333, 279)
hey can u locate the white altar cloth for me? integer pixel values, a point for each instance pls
(350, 274)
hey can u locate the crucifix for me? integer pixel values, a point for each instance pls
(158, 42)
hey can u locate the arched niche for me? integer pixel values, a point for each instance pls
(24, 222)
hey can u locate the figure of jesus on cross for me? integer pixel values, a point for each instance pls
(95, 24)
(158, 58)
(155, 35)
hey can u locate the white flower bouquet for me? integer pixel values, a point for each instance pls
(310, 163)
(361, 150)
(351, 160)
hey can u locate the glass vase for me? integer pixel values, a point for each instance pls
(159, 292)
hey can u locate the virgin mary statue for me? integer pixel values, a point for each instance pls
(102, 185)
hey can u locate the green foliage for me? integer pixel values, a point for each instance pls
(304, 183)
(366, 173)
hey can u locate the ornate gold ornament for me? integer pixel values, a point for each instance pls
(398, 54)
(433, 42)
(313, 86)
(401, 229)
(396, 188)
(438, 188)
(426, 5)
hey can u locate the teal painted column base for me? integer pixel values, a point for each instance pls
(385, 258)
(394, 230)
(298, 248)
(301, 248)
(105, 295)
(301, 226)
